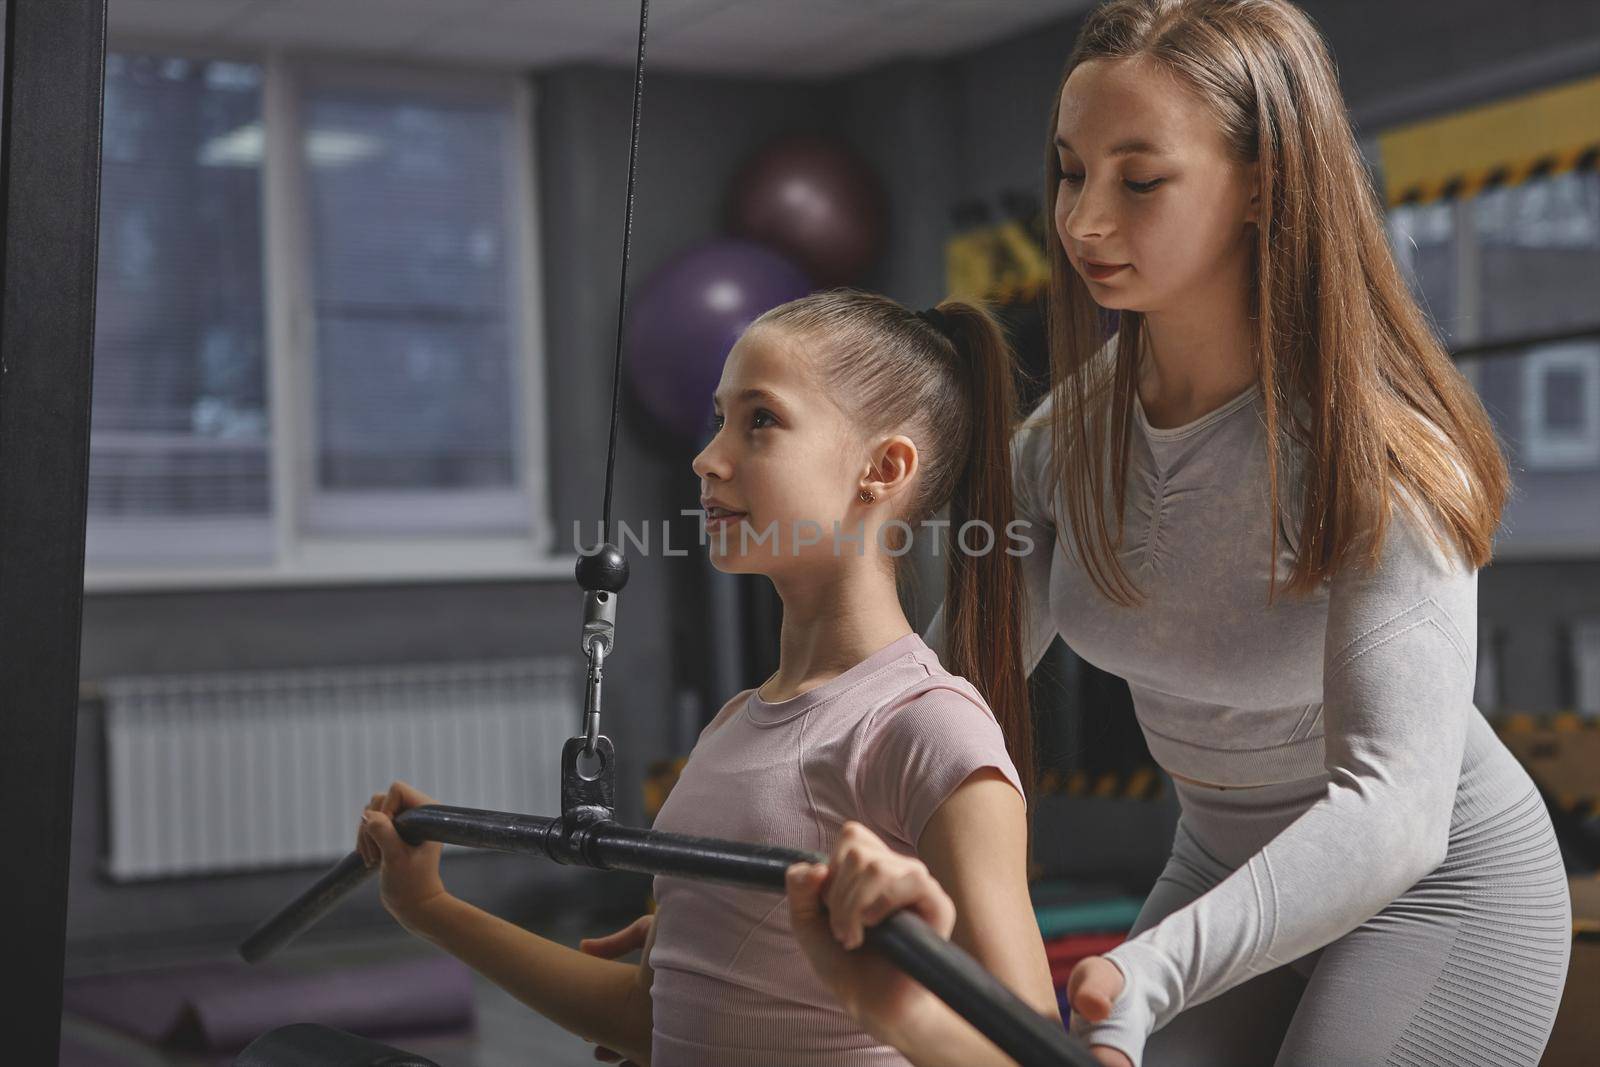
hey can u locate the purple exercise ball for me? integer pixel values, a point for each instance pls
(687, 316)
(813, 199)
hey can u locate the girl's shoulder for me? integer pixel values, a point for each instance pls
(941, 709)
(734, 705)
(921, 747)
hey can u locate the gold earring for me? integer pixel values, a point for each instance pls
(866, 496)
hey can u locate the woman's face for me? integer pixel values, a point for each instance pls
(1148, 189)
(784, 456)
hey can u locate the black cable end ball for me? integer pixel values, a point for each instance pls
(606, 568)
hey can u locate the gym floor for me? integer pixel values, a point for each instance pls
(507, 1033)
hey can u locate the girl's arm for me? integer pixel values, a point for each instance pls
(600, 1000)
(934, 771)
(830, 903)
(976, 847)
(861, 884)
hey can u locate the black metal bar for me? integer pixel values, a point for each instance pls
(955, 977)
(961, 982)
(49, 217)
(323, 896)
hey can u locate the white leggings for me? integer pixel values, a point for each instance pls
(1465, 968)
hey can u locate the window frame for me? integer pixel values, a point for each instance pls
(1468, 348)
(297, 554)
(1540, 448)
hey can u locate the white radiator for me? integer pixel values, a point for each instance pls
(233, 772)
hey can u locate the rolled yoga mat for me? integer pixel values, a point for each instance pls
(1065, 952)
(76, 1052)
(1049, 891)
(1114, 915)
(223, 1006)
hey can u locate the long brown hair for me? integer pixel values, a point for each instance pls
(1350, 372)
(951, 389)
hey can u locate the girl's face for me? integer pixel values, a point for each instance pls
(1151, 210)
(784, 456)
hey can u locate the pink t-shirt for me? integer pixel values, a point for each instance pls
(884, 744)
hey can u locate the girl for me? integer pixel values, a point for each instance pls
(1362, 873)
(843, 422)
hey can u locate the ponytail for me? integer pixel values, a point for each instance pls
(983, 617)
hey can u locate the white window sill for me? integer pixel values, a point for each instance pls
(398, 563)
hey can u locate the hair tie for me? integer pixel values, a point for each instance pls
(937, 319)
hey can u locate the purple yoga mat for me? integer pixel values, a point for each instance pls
(224, 1006)
(79, 1053)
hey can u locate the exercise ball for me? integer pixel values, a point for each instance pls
(687, 316)
(813, 199)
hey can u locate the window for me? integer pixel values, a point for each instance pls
(317, 340)
(1509, 277)
(1424, 242)
(1538, 255)
(179, 448)
(1561, 406)
(407, 198)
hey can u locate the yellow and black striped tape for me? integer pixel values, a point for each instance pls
(1533, 135)
(1462, 186)
(1560, 752)
(1141, 783)
(1561, 722)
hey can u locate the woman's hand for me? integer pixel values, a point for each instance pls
(409, 882)
(831, 904)
(628, 939)
(1092, 989)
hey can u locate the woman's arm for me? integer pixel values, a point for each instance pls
(1397, 693)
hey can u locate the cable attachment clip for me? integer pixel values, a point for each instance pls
(599, 633)
(602, 573)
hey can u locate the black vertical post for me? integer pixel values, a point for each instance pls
(49, 218)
